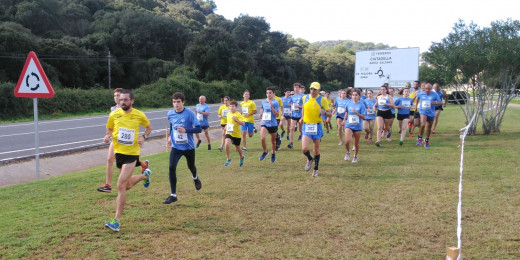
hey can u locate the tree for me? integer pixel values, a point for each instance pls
(484, 62)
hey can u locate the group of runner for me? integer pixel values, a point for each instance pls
(294, 112)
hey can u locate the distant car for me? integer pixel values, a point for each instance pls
(458, 97)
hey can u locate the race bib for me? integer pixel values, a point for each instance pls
(224, 112)
(286, 110)
(295, 107)
(245, 110)
(371, 112)
(229, 128)
(381, 101)
(341, 110)
(311, 129)
(200, 116)
(406, 104)
(266, 116)
(426, 104)
(180, 138)
(126, 136)
(353, 119)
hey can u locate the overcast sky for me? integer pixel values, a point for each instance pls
(400, 23)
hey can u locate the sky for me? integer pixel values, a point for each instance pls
(399, 23)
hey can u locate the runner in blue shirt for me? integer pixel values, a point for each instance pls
(296, 112)
(286, 101)
(403, 104)
(353, 121)
(370, 117)
(202, 112)
(183, 123)
(427, 100)
(268, 113)
(340, 103)
(438, 108)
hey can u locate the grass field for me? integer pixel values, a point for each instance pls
(396, 202)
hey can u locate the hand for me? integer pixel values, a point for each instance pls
(169, 141)
(181, 129)
(234, 118)
(106, 139)
(140, 140)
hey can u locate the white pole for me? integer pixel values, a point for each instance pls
(36, 139)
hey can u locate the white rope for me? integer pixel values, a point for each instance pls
(459, 206)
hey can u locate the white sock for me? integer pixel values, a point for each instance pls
(174, 195)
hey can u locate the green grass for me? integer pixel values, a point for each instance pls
(396, 202)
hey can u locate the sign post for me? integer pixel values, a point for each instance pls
(34, 83)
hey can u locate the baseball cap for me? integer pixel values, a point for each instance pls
(315, 85)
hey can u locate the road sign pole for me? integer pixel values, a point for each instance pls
(36, 138)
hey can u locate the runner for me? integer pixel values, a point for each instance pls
(353, 122)
(286, 112)
(296, 112)
(268, 113)
(202, 111)
(234, 120)
(391, 92)
(438, 108)
(427, 100)
(248, 111)
(330, 104)
(412, 108)
(111, 157)
(368, 122)
(416, 114)
(384, 116)
(339, 109)
(183, 123)
(278, 118)
(123, 126)
(403, 105)
(222, 114)
(313, 108)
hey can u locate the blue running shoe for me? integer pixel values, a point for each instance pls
(113, 224)
(288, 139)
(427, 144)
(299, 137)
(281, 135)
(147, 182)
(290, 146)
(198, 143)
(241, 162)
(273, 157)
(419, 142)
(262, 157)
(227, 162)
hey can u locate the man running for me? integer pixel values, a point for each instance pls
(286, 113)
(123, 126)
(202, 110)
(296, 112)
(106, 187)
(427, 101)
(313, 108)
(268, 113)
(183, 123)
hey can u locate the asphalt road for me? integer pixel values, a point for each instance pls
(17, 141)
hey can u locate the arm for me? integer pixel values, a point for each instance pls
(108, 134)
(275, 112)
(147, 132)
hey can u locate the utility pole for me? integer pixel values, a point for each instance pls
(109, 80)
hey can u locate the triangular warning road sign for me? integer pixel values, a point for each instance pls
(33, 82)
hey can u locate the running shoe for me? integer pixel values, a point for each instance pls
(262, 157)
(427, 144)
(340, 143)
(227, 162)
(290, 146)
(244, 149)
(288, 138)
(241, 162)
(198, 143)
(209, 147)
(198, 184)
(273, 157)
(113, 224)
(433, 131)
(315, 173)
(145, 165)
(327, 131)
(220, 148)
(299, 137)
(105, 188)
(283, 132)
(354, 160)
(401, 142)
(147, 182)
(254, 130)
(366, 135)
(389, 134)
(347, 156)
(378, 144)
(170, 199)
(308, 165)
(369, 140)
(353, 148)
(411, 135)
(419, 141)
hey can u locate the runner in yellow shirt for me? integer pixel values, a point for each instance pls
(278, 118)
(123, 126)
(234, 119)
(248, 111)
(222, 114)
